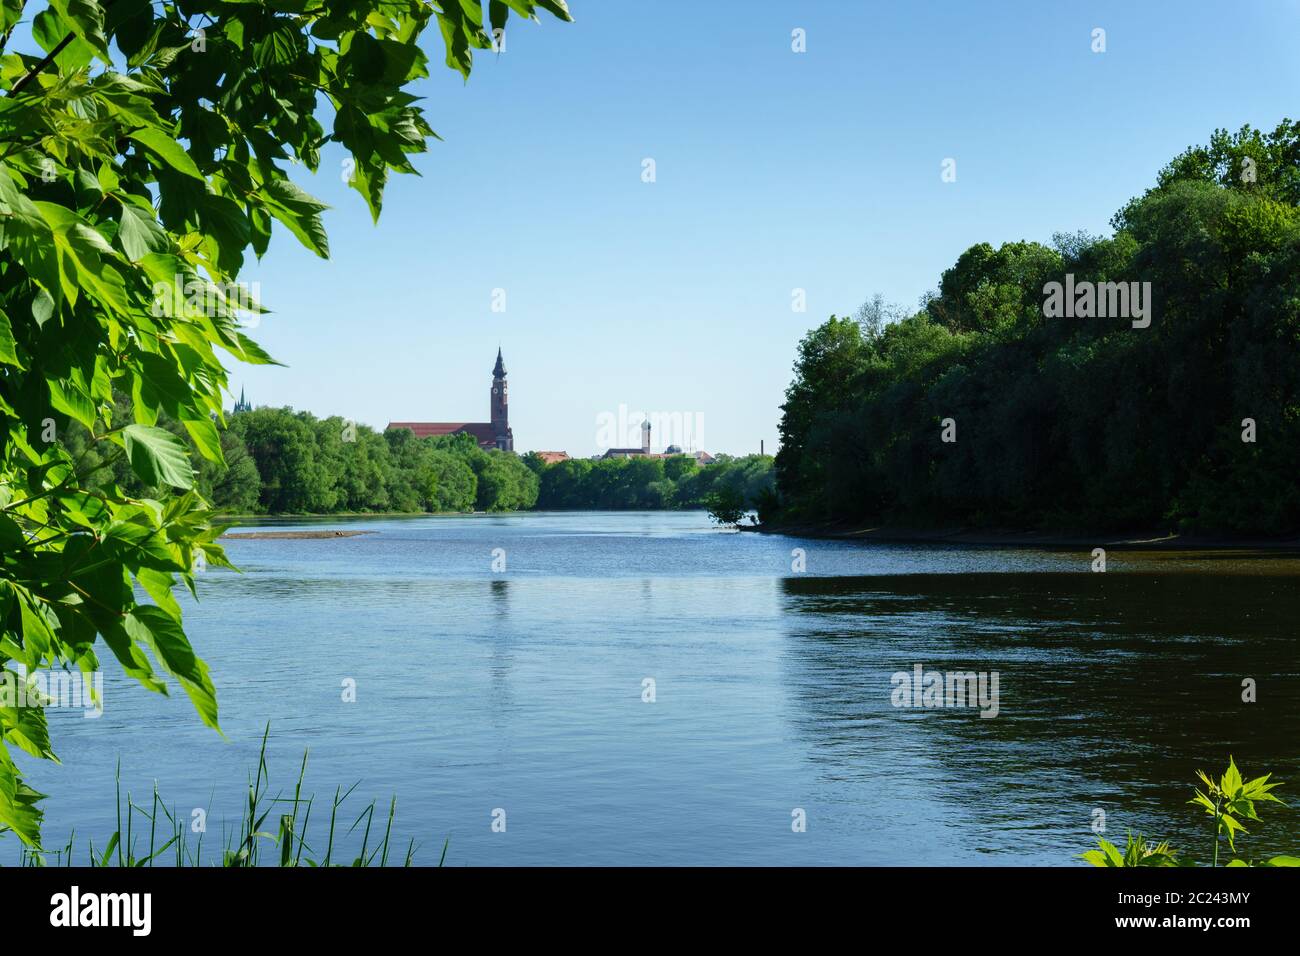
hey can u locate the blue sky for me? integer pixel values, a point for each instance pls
(775, 170)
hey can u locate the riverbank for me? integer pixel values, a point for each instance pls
(340, 515)
(1131, 541)
(295, 534)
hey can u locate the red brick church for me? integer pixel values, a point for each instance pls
(489, 435)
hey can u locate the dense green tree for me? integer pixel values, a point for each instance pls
(679, 467)
(504, 482)
(726, 506)
(368, 474)
(454, 483)
(1077, 423)
(294, 463)
(233, 487)
(283, 447)
(535, 463)
(1249, 159)
(651, 483)
(564, 485)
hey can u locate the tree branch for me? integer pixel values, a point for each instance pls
(49, 58)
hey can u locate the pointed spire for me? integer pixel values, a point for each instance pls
(500, 370)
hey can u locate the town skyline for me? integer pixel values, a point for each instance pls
(657, 434)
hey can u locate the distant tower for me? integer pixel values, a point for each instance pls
(242, 405)
(645, 437)
(501, 407)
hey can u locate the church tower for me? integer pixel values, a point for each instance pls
(501, 407)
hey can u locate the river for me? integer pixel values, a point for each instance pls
(643, 688)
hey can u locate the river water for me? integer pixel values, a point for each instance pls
(642, 688)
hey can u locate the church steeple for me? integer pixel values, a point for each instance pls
(501, 406)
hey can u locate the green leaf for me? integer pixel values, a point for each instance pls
(1230, 824)
(1113, 856)
(11, 539)
(26, 726)
(11, 11)
(1231, 782)
(163, 147)
(153, 626)
(8, 346)
(158, 585)
(85, 248)
(139, 233)
(30, 239)
(18, 810)
(557, 7)
(250, 352)
(457, 34)
(498, 13)
(158, 457)
(282, 46)
(1203, 801)
(206, 438)
(299, 211)
(39, 627)
(71, 399)
(86, 19)
(49, 30)
(138, 546)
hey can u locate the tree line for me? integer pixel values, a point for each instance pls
(978, 409)
(632, 484)
(281, 461)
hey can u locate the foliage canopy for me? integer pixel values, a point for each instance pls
(144, 153)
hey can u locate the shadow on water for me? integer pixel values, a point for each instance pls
(1114, 689)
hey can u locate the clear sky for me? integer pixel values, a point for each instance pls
(775, 171)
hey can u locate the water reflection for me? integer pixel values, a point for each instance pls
(501, 657)
(1114, 690)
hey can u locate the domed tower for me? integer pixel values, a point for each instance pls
(501, 407)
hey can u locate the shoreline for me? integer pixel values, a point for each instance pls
(326, 516)
(353, 515)
(293, 534)
(842, 531)
(1117, 541)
